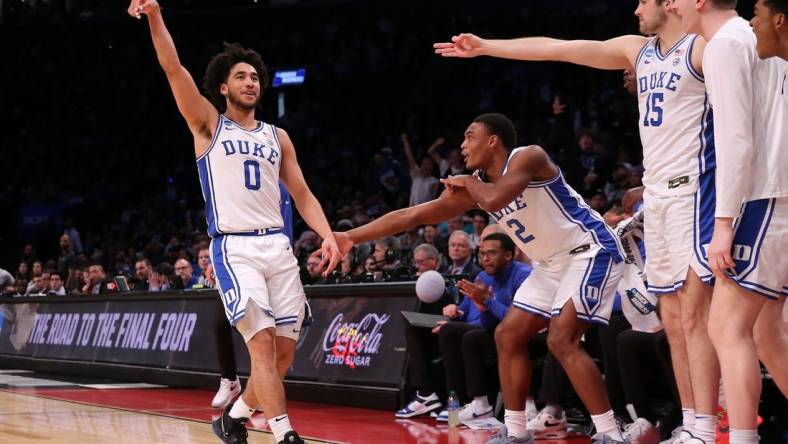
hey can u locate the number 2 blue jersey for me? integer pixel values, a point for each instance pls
(239, 175)
(676, 128)
(550, 218)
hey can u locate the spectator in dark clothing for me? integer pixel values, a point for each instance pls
(460, 254)
(67, 258)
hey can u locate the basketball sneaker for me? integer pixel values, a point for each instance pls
(503, 438)
(607, 439)
(469, 412)
(442, 416)
(545, 422)
(230, 430)
(291, 437)
(642, 431)
(678, 436)
(420, 405)
(228, 391)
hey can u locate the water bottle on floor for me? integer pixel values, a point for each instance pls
(453, 408)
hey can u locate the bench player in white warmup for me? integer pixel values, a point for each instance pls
(240, 161)
(678, 156)
(750, 105)
(579, 262)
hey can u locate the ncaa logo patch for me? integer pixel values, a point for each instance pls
(640, 302)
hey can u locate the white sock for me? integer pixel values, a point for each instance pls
(743, 436)
(605, 423)
(688, 419)
(280, 425)
(554, 409)
(705, 428)
(515, 423)
(240, 409)
(480, 403)
(530, 408)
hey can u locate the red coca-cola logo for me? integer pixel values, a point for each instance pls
(353, 343)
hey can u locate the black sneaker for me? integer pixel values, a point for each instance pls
(231, 430)
(292, 438)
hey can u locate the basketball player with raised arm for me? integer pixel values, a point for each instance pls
(579, 260)
(749, 259)
(240, 162)
(678, 156)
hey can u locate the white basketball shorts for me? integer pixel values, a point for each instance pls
(589, 279)
(258, 280)
(760, 247)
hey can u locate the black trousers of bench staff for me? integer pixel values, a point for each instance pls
(223, 338)
(465, 350)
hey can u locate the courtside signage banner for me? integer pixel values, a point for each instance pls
(160, 333)
(354, 340)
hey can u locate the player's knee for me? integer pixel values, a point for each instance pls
(505, 338)
(262, 345)
(560, 343)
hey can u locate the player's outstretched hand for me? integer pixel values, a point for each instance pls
(720, 248)
(455, 182)
(463, 45)
(330, 254)
(139, 7)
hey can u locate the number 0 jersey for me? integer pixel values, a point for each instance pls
(239, 175)
(550, 218)
(676, 128)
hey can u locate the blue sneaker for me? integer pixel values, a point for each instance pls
(420, 405)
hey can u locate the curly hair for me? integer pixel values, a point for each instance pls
(219, 69)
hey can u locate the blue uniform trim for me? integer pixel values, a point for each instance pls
(224, 279)
(688, 60)
(753, 224)
(676, 45)
(762, 290)
(705, 198)
(216, 132)
(256, 129)
(659, 290)
(206, 183)
(583, 216)
(596, 276)
(531, 309)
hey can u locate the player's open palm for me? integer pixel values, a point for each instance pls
(138, 7)
(463, 45)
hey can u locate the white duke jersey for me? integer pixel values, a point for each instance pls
(550, 218)
(676, 128)
(750, 152)
(239, 175)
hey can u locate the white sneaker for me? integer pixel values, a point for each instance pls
(420, 405)
(642, 431)
(678, 436)
(545, 422)
(228, 391)
(468, 413)
(442, 416)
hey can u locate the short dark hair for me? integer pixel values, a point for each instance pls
(777, 6)
(219, 69)
(499, 125)
(506, 242)
(58, 274)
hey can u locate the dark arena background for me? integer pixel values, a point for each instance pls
(99, 190)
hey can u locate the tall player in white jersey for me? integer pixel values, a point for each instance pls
(750, 104)
(678, 156)
(579, 262)
(240, 162)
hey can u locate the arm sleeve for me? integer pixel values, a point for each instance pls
(728, 66)
(496, 309)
